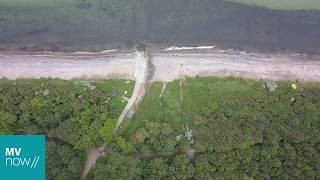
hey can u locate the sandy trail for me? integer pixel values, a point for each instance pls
(140, 75)
(169, 65)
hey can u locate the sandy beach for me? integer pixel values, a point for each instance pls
(169, 65)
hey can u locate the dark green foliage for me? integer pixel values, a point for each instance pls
(62, 160)
(73, 117)
(180, 168)
(115, 166)
(155, 169)
(155, 137)
(106, 132)
(203, 168)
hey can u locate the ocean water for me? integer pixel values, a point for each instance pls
(108, 24)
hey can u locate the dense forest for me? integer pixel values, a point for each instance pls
(200, 128)
(99, 24)
(74, 116)
(212, 128)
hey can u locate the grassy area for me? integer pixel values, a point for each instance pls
(221, 104)
(283, 4)
(243, 129)
(74, 115)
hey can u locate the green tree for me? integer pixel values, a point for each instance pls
(106, 132)
(38, 103)
(203, 168)
(115, 166)
(123, 145)
(155, 169)
(180, 168)
(7, 123)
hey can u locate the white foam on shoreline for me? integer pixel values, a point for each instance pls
(174, 48)
(101, 52)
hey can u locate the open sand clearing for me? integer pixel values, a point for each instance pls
(67, 66)
(172, 65)
(169, 65)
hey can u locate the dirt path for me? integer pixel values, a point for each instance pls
(191, 152)
(163, 88)
(140, 75)
(92, 156)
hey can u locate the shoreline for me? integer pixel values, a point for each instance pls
(169, 65)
